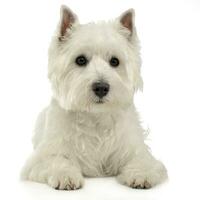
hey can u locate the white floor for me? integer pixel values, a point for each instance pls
(100, 189)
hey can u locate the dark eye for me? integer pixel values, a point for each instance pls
(114, 62)
(81, 60)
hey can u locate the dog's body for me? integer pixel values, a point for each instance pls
(91, 127)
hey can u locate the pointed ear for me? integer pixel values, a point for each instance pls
(127, 19)
(67, 20)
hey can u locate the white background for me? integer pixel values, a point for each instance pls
(169, 105)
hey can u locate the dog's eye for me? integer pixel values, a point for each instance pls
(81, 60)
(114, 62)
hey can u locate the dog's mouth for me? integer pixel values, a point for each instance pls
(100, 101)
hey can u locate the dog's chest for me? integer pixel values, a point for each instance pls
(94, 142)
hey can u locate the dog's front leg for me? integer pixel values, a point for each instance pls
(54, 168)
(143, 171)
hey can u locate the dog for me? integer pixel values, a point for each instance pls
(91, 127)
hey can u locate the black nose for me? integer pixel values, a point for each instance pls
(100, 89)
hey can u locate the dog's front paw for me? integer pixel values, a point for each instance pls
(61, 179)
(143, 178)
(65, 180)
(56, 175)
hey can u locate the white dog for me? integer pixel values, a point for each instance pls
(91, 128)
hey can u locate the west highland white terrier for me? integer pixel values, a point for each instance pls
(91, 127)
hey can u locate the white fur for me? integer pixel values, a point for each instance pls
(75, 136)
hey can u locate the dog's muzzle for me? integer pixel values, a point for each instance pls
(100, 89)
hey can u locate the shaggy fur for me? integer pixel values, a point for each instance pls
(77, 136)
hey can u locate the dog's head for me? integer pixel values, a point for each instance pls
(94, 67)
